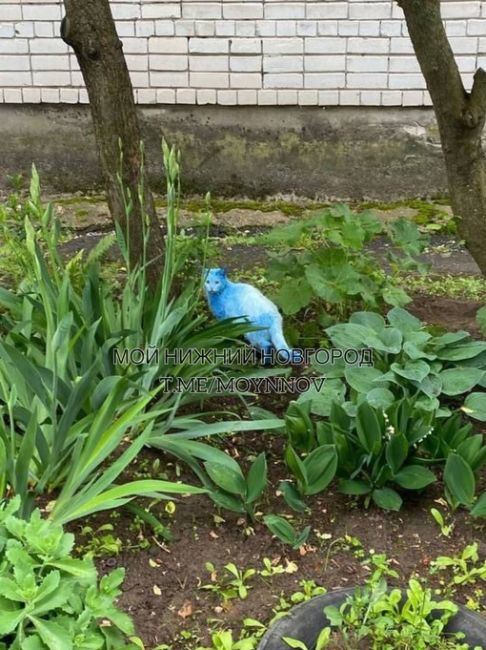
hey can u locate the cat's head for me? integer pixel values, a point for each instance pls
(215, 280)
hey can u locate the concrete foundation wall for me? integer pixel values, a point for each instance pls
(336, 153)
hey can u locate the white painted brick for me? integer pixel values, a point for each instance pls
(245, 63)
(369, 28)
(227, 97)
(321, 63)
(247, 97)
(224, 28)
(245, 80)
(164, 28)
(406, 81)
(287, 97)
(11, 63)
(205, 63)
(169, 62)
(267, 97)
(135, 45)
(205, 27)
(349, 97)
(144, 28)
(140, 79)
(285, 10)
(165, 96)
(468, 45)
(126, 28)
(404, 64)
(330, 80)
(390, 28)
(308, 97)
(25, 29)
(246, 46)
(169, 79)
(243, 10)
(12, 95)
(327, 28)
(327, 10)
(283, 46)
(457, 27)
(10, 12)
(265, 28)
(412, 98)
(306, 28)
(209, 80)
(34, 12)
(13, 46)
(47, 46)
(208, 45)
(391, 98)
(125, 11)
(401, 46)
(476, 27)
(287, 80)
(283, 64)
(368, 45)
(31, 95)
(69, 95)
(462, 9)
(286, 28)
(245, 28)
(186, 96)
(83, 96)
(206, 96)
(328, 97)
(367, 63)
(348, 27)
(7, 30)
(164, 10)
(201, 10)
(185, 28)
(368, 10)
(325, 45)
(168, 45)
(50, 62)
(53, 78)
(50, 95)
(44, 30)
(370, 98)
(366, 80)
(146, 96)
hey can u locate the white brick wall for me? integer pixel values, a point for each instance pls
(257, 52)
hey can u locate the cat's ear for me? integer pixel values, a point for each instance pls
(224, 272)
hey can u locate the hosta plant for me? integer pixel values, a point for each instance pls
(406, 360)
(50, 600)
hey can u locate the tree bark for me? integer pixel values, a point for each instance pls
(89, 29)
(460, 116)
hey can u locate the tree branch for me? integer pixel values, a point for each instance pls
(475, 113)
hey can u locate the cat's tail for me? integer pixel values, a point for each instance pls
(282, 348)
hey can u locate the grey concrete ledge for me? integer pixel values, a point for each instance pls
(335, 153)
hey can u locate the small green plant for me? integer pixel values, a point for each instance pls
(234, 584)
(285, 532)
(235, 491)
(445, 529)
(481, 318)
(48, 599)
(466, 568)
(223, 640)
(312, 475)
(100, 541)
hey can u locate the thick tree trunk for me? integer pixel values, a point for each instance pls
(89, 29)
(460, 116)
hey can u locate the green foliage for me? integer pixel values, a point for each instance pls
(285, 532)
(408, 361)
(481, 318)
(233, 584)
(48, 599)
(235, 491)
(315, 472)
(463, 569)
(323, 262)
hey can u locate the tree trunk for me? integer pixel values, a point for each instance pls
(460, 116)
(89, 29)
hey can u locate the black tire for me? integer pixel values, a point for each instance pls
(305, 621)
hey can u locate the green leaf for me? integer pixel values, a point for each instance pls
(475, 406)
(295, 465)
(294, 643)
(368, 428)
(281, 528)
(479, 509)
(354, 488)
(456, 381)
(380, 398)
(397, 451)
(257, 478)
(387, 499)
(467, 350)
(320, 468)
(229, 479)
(362, 378)
(403, 320)
(54, 635)
(414, 477)
(291, 496)
(459, 479)
(412, 370)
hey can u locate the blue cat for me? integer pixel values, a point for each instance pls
(228, 299)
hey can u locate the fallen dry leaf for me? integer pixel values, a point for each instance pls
(185, 610)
